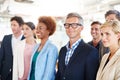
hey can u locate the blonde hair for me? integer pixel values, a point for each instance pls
(114, 24)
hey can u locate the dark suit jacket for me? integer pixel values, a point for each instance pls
(83, 64)
(102, 50)
(6, 58)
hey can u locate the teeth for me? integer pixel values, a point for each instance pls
(37, 34)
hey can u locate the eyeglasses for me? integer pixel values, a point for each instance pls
(73, 25)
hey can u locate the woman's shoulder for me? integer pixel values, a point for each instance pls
(52, 46)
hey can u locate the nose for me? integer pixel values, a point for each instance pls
(70, 26)
(93, 31)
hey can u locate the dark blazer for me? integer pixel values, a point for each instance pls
(83, 64)
(6, 58)
(102, 50)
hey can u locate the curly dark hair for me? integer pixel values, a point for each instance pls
(49, 22)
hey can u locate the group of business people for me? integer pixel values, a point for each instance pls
(77, 60)
(22, 58)
(99, 41)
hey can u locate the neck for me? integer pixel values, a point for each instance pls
(113, 51)
(30, 40)
(43, 41)
(72, 41)
(17, 35)
(95, 42)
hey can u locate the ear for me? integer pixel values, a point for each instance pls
(81, 27)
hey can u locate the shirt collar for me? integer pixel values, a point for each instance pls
(74, 45)
(19, 38)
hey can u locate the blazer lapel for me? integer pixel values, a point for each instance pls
(102, 64)
(44, 49)
(64, 55)
(112, 61)
(22, 37)
(77, 51)
(10, 44)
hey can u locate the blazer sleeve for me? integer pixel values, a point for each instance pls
(117, 74)
(51, 64)
(60, 57)
(92, 65)
(2, 53)
(57, 76)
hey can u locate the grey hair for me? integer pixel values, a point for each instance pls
(75, 15)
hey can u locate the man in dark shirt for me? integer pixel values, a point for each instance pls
(96, 39)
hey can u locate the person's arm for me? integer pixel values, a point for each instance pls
(117, 74)
(2, 54)
(51, 64)
(92, 65)
(57, 76)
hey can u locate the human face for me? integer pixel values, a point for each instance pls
(73, 32)
(27, 31)
(41, 31)
(16, 28)
(111, 17)
(95, 31)
(109, 38)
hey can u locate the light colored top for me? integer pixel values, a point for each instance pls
(110, 71)
(21, 60)
(15, 40)
(46, 62)
(27, 56)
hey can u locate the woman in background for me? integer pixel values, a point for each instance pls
(23, 52)
(110, 65)
(45, 55)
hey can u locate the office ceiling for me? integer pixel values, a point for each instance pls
(53, 7)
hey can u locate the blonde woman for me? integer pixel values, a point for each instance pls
(110, 65)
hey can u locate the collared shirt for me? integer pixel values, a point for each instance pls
(70, 51)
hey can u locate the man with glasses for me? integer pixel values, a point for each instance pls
(77, 60)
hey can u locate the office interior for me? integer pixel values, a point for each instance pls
(31, 10)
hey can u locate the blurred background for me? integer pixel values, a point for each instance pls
(30, 10)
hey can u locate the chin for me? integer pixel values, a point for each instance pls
(105, 45)
(39, 37)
